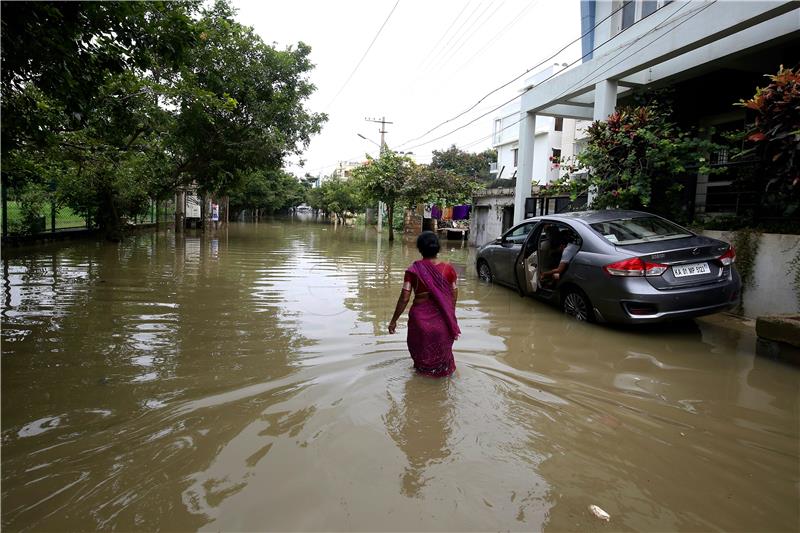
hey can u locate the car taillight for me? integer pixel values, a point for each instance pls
(728, 257)
(635, 267)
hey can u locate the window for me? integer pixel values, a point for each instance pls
(515, 151)
(519, 234)
(556, 155)
(628, 14)
(635, 10)
(559, 124)
(637, 230)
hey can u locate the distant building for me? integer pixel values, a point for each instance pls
(344, 169)
(550, 133)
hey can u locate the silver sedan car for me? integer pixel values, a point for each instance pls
(614, 266)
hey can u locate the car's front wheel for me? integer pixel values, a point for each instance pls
(484, 271)
(576, 304)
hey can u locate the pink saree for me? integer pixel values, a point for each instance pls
(432, 324)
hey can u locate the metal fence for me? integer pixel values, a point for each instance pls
(550, 205)
(52, 219)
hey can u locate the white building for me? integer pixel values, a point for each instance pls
(344, 169)
(710, 52)
(550, 133)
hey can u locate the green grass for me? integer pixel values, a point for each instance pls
(66, 218)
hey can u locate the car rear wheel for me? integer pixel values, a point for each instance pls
(577, 305)
(484, 272)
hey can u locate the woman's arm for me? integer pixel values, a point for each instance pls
(402, 302)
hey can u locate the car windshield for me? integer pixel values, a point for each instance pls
(637, 230)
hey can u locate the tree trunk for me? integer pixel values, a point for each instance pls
(390, 215)
(108, 217)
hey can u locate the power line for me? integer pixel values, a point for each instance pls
(364, 56)
(434, 58)
(473, 106)
(629, 45)
(619, 53)
(514, 21)
(556, 73)
(428, 56)
(466, 34)
(488, 94)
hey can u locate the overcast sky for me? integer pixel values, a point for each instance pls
(432, 60)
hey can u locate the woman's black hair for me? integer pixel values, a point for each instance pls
(428, 244)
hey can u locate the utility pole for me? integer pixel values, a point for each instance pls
(382, 131)
(383, 122)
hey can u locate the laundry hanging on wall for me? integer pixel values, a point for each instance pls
(461, 212)
(436, 212)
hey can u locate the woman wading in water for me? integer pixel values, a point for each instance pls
(432, 324)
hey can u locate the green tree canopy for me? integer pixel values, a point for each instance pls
(775, 136)
(385, 180)
(268, 191)
(632, 161)
(241, 102)
(107, 105)
(336, 196)
(463, 163)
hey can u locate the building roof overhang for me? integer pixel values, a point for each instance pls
(680, 40)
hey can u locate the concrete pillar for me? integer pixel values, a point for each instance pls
(527, 136)
(605, 99)
(700, 195)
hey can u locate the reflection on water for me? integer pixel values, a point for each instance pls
(244, 380)
(419, 422)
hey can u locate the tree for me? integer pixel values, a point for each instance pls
(463, 163)
(438, 186)
(384, 180)
(241, 103)
(340, 197)
(108, 105)
(633, 160)
(61, 55)
(74, 98)
(267, 191)
(775, 136)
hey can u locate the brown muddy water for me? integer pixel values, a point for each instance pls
(244, 380)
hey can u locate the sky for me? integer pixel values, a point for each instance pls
(431, 60)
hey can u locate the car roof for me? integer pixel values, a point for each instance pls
(591, 217)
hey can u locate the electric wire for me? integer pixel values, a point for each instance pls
(627, 46)
(350, 77)
(503, 86)
(467, 33)
(429, 54)
(456, 34)
(514, 21)
(495, 90)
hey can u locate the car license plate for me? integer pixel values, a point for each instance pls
(695, 269)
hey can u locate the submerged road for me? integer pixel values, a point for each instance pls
(244, 380)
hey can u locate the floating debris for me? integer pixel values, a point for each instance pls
(599, 513)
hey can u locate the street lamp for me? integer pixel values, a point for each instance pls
(368, 139)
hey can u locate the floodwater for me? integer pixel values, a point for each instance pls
(244, 380)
